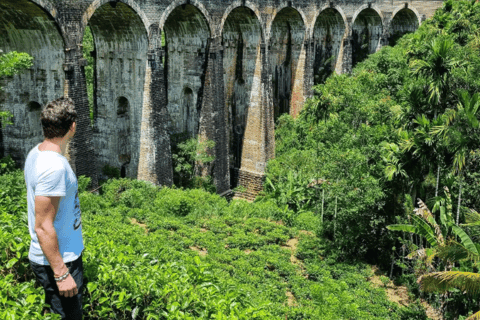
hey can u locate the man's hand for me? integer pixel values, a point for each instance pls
(68, 287)
(45, 212)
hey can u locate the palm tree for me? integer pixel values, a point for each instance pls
(467, 282)
(437, 235)
(436, 68)
(458, 130)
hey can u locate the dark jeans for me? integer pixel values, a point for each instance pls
(68, 308)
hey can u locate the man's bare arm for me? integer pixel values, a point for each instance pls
(45, 211)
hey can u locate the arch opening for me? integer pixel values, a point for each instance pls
(123, 132)
(286, 53)
(118, 57)
(33, 122)
(367, 32)
(26, 27)
(405, 21)
(328, 35)
(186, 39)
(241, 37)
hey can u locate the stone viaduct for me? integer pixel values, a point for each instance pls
(222, 70)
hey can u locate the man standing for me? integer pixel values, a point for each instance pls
(54, 217)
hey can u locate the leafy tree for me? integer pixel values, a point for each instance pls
(188, 158)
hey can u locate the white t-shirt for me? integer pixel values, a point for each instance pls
(48, 173)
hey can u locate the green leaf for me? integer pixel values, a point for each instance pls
(11, 262)
(402, 227)
(466, 240)
(425, 231)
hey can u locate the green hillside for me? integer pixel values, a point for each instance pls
(187, 254)
(402, 126)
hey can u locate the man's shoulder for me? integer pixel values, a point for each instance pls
(45, 163)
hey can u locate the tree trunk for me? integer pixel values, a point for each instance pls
(459, 199)
(438, 180)
(323, 202)
(335, 218)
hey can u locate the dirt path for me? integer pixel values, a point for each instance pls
(399, 294)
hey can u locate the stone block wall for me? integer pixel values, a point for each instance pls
(220, 70)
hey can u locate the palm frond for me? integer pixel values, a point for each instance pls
(466, 240)
(475, 316)
(455, 251)
(402, 227)
(468, 282)
(425, 230)
(472, 218)
(427, 215)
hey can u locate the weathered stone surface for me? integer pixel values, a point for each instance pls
(221, 70)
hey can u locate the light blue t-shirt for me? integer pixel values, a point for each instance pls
(48, 173)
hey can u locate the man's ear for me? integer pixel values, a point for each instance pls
(73, 127)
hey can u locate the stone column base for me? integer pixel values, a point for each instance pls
(249, 184)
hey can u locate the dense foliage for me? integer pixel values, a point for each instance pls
(402, 126)
(172, 254)
(371, 137)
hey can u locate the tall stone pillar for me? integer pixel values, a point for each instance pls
(309, 45)
(347, 58)
(213, 116)
(267, 108)
(155, 163)
(81, 153)
(299, 90)
(385, 37)
(259, 138)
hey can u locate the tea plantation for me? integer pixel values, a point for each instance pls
(187, 254)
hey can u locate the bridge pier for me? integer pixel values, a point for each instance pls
(80, 154)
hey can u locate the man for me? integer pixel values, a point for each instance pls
(54, 217)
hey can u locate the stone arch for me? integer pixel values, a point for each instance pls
(409, 7)
(328, 33)
(367, 6)
(238, 4)
(287, 61)
(47, 6)
(404, 20)
(187, 40)
(29, 26)
(92, 8)
(119, 60)
(286, 5)
(339, 10)
(196, 3)
(242, 37)
(367, 32)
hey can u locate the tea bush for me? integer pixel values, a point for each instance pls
(186, 254)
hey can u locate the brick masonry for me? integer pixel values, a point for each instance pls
(224, 70)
